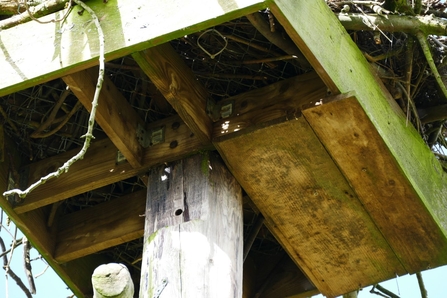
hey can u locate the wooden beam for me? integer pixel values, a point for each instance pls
(310, 207)
(341, 65)
(99, 167)
(194, 231)
(376, 178)
(103, 226)
(272, 104)
(179, 86)
(72, 46)
(114, 113)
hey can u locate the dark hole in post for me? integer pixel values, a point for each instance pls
(178, 212)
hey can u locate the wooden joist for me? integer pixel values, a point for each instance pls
(103, 226)
(71, 46)
(179, 86)
(268, 105)
(100, 167)
(114, 113)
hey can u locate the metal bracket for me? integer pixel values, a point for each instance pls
(220, 110)
(151, 137)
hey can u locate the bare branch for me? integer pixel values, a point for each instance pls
(27, 265)
(421, 285)
(426, 50)
(38, 11)
(89, 135)
(393, 23)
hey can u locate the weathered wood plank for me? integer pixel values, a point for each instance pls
(269, 105)
(99, 166)
(377, 179)
(179, 86)
(202, 255)
(310, 207)
(128, 27)
(102, 226)
(114, 114)
(341, 65)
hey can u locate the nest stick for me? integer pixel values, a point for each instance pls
(426, 50)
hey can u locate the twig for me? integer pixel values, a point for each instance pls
(426, 50)
(27, 265)
(383, 290)
(40, 10)
(67, 117)
(276, 38)
(13, 126)
(6, 252)
(89, 135)
(19, 283)
(50, 21)
(421, 285)
(53, 113)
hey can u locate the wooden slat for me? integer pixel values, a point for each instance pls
(274, 103)
(353, 141)
(179, 86)
(72, 46)
(114, 114)
(310, 207)
(99, 167)
(341, 65)
(102, 226)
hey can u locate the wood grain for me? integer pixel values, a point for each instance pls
(200, 257)
(100, 227)
(179, 86)
(99, 167)
(310, 207)
(269, 105)
(341, 65)
(378, 181)
(114, 113)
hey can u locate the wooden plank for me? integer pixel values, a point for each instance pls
(271, 104)
(377, 179)
(114, 113)
(102, 226)
(310, 207)
(198, 254)
(99, 166)
(73, 45)
(341, 65)
(179, 86)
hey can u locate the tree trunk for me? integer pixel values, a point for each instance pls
(193, 242)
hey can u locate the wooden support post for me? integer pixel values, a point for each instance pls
(112, 281)
(193, 232)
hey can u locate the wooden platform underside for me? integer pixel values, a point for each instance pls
(334, 197)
